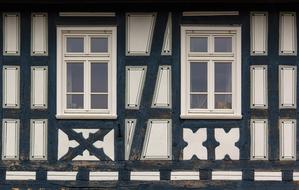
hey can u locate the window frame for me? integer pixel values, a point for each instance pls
(86, 58)
(211, 56)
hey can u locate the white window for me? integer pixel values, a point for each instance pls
(86, 72)
(211, 72)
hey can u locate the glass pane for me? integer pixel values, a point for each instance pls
(75, 101)
(199, 101)
(199, 44)
(99, 101)
(75, 44)
(198, 77)
(99, 45)
(223, 77)
(99, 77)
(223, 44)
(75, 77)
(223, 101)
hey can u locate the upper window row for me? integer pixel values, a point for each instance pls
(78, 44)
(211, 44)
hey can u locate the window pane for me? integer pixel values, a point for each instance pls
(75, 44)
(223, 77)
(99, 45)
(199, 44)
(75, 77)
(198, 77)
(223, 101)
(99, 77)
(99, 101)
(75, 101)
(198, 101)
(223, 44)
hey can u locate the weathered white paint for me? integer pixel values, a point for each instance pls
(140, 29)
(167, 42)
(226, 175)
(259, 139)
(184, 175)
(287, 129)
(135, 76)
(11, 86)
(259, 33)
(38, 139)
(195, 144)
(130, 125)
(287, 86)
(162, 94)
(145, 176)
(39, 34)
(227, 143)
(267, 176)
(103, 176)
(287, 33)
(20, 175)
(61, 175)
(11, 33)
(10, 139)
(157, 143)
(259, 87)
(39, 87)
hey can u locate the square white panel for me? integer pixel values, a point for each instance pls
(10, 139)
(287, 86)
(259, 33)
(135, 78)
(11, 33)
(157, 143)
(287, 134)
(287, 33)
(39, 87)
(39, 34)
(259, 139)
(259, 87)
(38, 139)
(11, 86)
(140, 29)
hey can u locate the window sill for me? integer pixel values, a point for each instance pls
(85, 116)
(211, 116)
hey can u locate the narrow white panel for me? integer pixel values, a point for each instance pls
(259, 139)
(140, 29)
(287, 33)
(134, 85)
(61, 175)
(20, 175)
(11, 34)
(267, 176)
(210, 13)
(145, 176)
(287, 135)
(157, 143)
(226, 175)
(295, 176)
(259, 87)
(10, 139)
(167, 42)
(39, 34)
(259, 33)
(162, 94)
(129, 135)
(38, 139)
(184, 175)
(87, 14)
(287, 86)
(103, 176)
(11, 86)
(39, 87)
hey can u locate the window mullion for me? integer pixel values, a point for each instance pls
(86, 85)
(211, 85)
